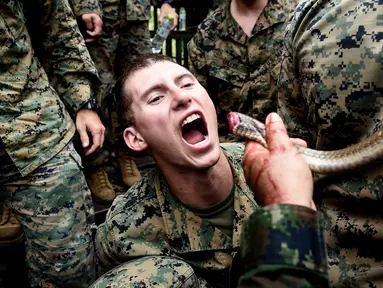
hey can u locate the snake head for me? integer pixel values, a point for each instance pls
(233, 119)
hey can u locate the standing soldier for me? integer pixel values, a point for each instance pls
(331, 95)
(235, 55)
(40, 172)
(125, 35)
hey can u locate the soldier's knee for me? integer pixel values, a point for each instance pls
(150, 271)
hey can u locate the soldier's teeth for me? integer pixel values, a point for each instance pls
(191, 118)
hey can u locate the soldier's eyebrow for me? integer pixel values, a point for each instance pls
(179, 78)
(162, 87)
(150, 90)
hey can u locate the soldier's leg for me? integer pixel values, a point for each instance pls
(54, 206)
(10, 228)
(151, 271)
(134, 40)
(103, 53)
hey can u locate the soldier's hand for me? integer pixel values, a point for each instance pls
(93, 25)
(165, 10)
(88, 123)
(279, 174)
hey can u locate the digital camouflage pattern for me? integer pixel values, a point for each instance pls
(54, 207)
(283, 246)
(283, 240)
(149, 221)
(85, 7)
(35, 124)
(133, 10)
(150, 271)
(331, 96)
(39, 177)
(125, 34)
(240, 72)
(119, 43)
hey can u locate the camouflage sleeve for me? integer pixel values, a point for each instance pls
(129, 230)
(63, 53)
(284, 246)
(197, 60)
(81, 7)
(103, 251)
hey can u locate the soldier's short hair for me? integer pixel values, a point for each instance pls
(123, 97)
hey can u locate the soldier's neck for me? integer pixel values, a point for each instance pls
(202, 188)
(247, 12)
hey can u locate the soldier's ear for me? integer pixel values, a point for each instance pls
(134, 139)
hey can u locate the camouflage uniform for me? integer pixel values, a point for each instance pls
(331, 96)
(185, 250)
(40, 176)
(240, 72)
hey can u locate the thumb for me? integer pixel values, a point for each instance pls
(276, 133)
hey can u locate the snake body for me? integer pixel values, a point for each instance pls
(320, 162)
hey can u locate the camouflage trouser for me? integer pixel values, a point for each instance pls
(54, 207)
(151, 271)
(120, 42)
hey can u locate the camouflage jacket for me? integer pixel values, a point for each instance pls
(331, 95)
(35, 124)
(240, 72)
(149, 220)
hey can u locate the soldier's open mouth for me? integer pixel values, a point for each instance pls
(194, 129)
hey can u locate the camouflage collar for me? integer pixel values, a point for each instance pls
(187, 232)
(276, 11)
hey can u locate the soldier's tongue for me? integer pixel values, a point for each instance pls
(193, 136)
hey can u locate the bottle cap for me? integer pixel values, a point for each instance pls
(170, 17)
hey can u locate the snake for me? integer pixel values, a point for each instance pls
(344, 160)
